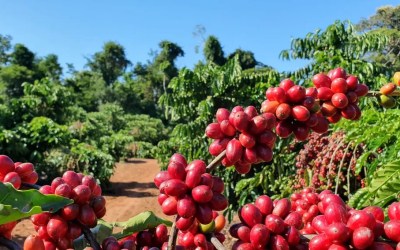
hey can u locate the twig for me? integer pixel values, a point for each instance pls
(172, 236)
(31, 186)
(349, 169)
(9, 244)
(217, 160)
(331, 161)
(90, 237)
(217, 244)
(348, 176)
(377, 93)
(340, 167)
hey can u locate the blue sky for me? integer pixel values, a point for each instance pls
(76, 29)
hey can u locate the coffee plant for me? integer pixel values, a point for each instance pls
(335, 95)
(313, 218)
(328, 162)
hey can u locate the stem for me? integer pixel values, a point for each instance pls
(348, 181)
(217, 160)
(9, 244)
(331, 161)
(340, 167)
(365, 172)
(377, 93)
(90, 237)
(31, 186)
(349, 169)
(217, 244)
(172, 236)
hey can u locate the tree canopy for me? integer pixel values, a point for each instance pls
(386, 21)
(111, 62)
(213, 51)
(22, 56)
(246, 58)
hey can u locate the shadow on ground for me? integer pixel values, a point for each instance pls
(134, 161)
(131, 189)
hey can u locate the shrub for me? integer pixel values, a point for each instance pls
(83, 158)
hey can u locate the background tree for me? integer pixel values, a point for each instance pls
(165, 61)
(50, 67)
(22, 56)
(386, 21)
(5, 46)
(213, 51)
(156, 74)
(246, 58)
(135, 96)
(88, 88)
(21, 69)
(111, 62)
(78, 122)
(13, 76)
(45, 98)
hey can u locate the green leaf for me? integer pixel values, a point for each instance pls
(362, 161)
(140, 222)
(101, 231)
(359, 198)
(19, 204)
(384, 187)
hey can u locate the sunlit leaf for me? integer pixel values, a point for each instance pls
(19, 204)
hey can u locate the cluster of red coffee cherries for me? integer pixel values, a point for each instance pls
(296, 110)
(186, 190)
(299, 110)
(246, 136)
(339, 94)
(15, 173)
(58, 230)
(263, 225)
(341, 227)
(249, 137)
(324, 217)
(154, 238)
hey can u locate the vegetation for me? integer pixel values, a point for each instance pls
(86, 122)
(116, 109)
